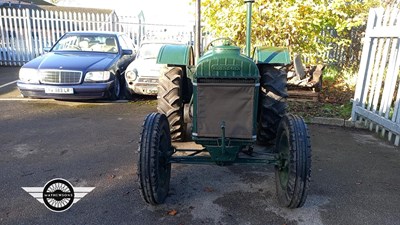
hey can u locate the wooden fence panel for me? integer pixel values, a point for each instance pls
(376, 99)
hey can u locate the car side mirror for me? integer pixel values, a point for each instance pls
(127, 52)
(46, 49)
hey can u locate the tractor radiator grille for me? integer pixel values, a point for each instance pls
(229, 103)
(229, 81)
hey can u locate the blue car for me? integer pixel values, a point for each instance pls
(81, 65)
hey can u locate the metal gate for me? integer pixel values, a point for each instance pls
(25, 32)
(377, 95)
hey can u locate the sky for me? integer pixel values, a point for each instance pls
(155, 11)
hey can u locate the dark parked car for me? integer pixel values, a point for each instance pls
(81, 65)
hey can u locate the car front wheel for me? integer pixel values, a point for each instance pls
(115, 91)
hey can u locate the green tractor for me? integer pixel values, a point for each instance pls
(234, 108)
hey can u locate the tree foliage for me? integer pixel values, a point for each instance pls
(309, 27)
(54, 1)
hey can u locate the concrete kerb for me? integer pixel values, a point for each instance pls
(337, 122)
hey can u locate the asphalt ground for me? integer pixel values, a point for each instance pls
(355, 175)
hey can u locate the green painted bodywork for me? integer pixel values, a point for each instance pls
(179, 55)
(272, 55)
(248, 26)
(226, 62)
(220, 66)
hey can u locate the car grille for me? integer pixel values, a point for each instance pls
(60, 77)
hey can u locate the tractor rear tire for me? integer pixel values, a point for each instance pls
(169, 101)
(293, 172)
(154, 168)
(272, 103)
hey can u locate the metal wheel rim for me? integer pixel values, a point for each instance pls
(283, 170)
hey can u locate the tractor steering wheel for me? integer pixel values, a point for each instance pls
(211, 44)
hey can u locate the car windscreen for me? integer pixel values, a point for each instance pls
(87, 43)
(149, 51)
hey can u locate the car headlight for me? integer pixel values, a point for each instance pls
(131, 75)
(28, 75)
(95, 76)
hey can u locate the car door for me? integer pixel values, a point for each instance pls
(125, 59)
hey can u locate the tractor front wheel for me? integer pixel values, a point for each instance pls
(154, 168)
(293, 171)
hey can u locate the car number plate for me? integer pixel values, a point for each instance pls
(56, 90)
(153, 91)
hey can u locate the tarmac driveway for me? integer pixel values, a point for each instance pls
(355, 175)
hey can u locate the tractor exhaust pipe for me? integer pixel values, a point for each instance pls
(248, 26)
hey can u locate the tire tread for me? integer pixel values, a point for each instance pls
(169, 101)
(271, 109)
(300, 161)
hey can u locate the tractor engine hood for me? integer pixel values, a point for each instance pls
(226, 62)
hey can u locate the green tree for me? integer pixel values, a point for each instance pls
(53, 1)
(309, 27)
